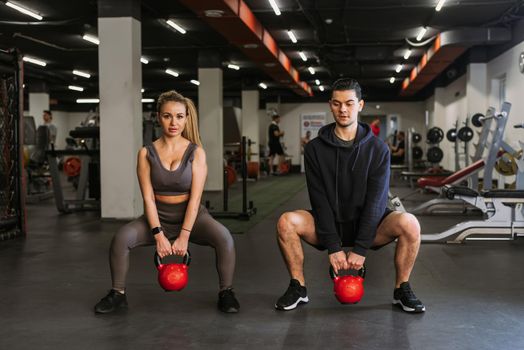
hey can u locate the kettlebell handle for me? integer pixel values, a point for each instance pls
(361, 272)
(186, 261)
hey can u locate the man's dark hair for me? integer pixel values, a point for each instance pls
(46, 111)
(275, 116)
(347, 84)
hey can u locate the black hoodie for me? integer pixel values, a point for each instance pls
(347, 185)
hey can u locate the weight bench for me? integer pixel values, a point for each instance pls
(503, 212)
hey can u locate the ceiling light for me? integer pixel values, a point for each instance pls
(213, 13)
(148, 100)
(250, 46)
(292, 36)
(142, 90)
(233, 66)
(439, 5)
(176, 26)
(301, 54)
(399, 68)
(76, 88)
(91, 39)
(87, 100)
(328, 21)
(321, 88)
(317, 82)
(407, 54)
(24, 11)
(172, 72)
(392, 80)
(82, 74)
(196, 82)
(377, 106)
(311, 70)
(144, 60)
(421, 34)
(263, 86)
(275, 7)
(34, 61)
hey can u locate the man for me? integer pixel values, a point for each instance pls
(48, 121)
(347, 173)
(397, 152)
(275, 148)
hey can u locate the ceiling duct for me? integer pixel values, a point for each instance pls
(446, 48)
(237, 23)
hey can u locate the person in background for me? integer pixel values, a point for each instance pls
(398, 151)
(375, 127)
(48, 121)
(275, 148)
(304, 141)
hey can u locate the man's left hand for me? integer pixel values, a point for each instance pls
(355, 261)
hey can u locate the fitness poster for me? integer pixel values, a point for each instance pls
(310, 124)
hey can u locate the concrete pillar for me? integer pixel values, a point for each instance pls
(120, 81)
(250, 123)
(211, 121)
(477, 89)
(38, 103)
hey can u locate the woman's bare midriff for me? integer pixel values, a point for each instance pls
(172, 199)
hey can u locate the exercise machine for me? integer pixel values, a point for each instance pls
(503, 216)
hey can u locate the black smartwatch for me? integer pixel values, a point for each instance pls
(156, 230)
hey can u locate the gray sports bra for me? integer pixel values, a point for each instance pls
(171, 182)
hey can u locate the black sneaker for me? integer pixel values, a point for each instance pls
(294, 295)
(406, 299)
(111, 302)
(227, 301)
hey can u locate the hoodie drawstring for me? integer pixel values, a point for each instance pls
(355, 161)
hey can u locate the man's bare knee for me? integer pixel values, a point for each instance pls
(409, 227)
(287, 225)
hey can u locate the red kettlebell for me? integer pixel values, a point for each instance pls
(172, 277)
(348, 289)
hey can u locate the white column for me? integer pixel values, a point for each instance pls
(250, 122)
(211, 116)
(38, 103)
(477, 89)
(120, 115)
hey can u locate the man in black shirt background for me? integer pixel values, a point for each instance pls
(275, 148)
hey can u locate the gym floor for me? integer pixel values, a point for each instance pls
(50, 281)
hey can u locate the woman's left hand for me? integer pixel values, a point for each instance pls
(180, 246)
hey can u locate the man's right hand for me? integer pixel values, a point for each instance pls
(338, 261)
(163, 247)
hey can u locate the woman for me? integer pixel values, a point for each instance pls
(171, 173)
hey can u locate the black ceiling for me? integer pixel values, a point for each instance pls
(365, 39)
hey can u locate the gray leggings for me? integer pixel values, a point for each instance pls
(206, 231)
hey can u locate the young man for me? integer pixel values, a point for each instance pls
(275, 148)
(347, 173)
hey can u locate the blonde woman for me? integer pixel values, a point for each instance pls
(171, 173)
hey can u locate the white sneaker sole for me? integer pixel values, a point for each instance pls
(304, 300)
(407, 308)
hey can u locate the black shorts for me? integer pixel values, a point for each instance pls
(348, 231)
(275, 149)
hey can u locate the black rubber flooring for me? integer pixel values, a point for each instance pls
(50, 281)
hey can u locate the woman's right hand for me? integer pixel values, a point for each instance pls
(163, 247)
